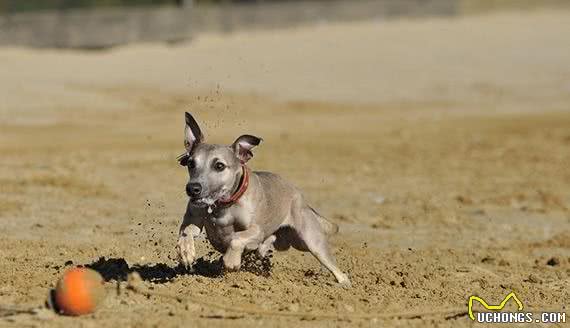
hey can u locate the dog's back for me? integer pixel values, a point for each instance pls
(279, 195)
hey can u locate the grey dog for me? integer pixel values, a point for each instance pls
(243, 210)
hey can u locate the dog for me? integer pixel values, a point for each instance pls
(242, 210)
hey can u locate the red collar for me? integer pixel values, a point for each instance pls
(244, 183)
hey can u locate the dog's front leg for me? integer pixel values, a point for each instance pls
(241, 239)
(190, 228)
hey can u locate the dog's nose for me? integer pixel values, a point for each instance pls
(193, 189)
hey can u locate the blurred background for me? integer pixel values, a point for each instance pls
(434, 132)
(99, 24)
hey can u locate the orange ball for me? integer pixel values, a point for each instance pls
(79, 291)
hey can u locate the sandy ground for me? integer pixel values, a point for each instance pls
(440, 146)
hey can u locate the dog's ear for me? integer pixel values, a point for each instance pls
(243, 146)
(192, 133)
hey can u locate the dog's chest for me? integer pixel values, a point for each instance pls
(224, 220)
(220, 229)
(220, 236)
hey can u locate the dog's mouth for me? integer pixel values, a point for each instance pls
(203, 201)
(206, 201)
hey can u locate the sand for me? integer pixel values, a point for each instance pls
(440, 146)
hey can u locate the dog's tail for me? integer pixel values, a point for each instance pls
(329, 227)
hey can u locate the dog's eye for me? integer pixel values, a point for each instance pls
(190, 163)
(219, 166)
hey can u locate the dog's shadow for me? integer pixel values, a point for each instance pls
(118, 269)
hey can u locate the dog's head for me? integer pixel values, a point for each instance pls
(215, 170)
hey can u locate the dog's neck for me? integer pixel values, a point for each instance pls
(238, 190)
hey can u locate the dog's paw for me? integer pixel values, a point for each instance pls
(186, 251)
(345, 284)
(231, 262)
(267, 247)
(263, 251)
(344, 281)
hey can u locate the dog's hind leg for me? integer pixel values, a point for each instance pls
(313, 235)
(322, 252)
